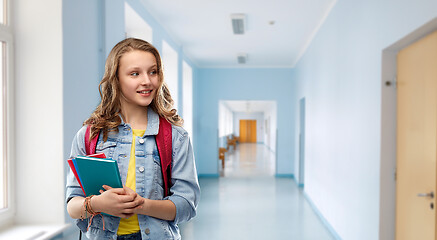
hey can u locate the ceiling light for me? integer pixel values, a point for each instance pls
(238, 23)
(242, 58)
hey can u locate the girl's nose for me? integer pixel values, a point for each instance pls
(145, 79)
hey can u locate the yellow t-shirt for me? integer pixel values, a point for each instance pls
(131, 225)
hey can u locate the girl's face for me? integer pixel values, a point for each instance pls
(139, 80)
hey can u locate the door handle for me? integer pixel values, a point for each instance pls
(431, 194)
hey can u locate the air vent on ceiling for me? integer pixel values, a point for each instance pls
(238, 23)
(242, 58)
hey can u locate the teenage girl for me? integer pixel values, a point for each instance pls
(133, 97)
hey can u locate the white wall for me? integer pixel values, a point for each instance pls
(258, 116)
(39, 123)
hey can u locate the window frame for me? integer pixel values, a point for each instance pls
(6, 36)
(187, 97)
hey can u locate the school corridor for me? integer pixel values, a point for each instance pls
(342, 96)
(249, 202)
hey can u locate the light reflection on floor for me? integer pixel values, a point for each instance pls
(249, 160)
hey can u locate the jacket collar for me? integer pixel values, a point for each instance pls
(152, 122)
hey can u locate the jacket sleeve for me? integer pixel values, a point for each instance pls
(73, 188)
(185, 190)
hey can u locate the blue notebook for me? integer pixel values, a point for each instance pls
(96, 172)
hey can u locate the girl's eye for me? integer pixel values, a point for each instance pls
(134, 74)
(154, 72)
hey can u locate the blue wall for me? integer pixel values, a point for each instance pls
(82, 66)
(213, 85)
(82, 62)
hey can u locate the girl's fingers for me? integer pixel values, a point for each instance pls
(106, 187)
(128, 205)
(129, 191)
(140, 201)
(119, 191)
(126, 198)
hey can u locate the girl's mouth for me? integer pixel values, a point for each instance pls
(144, 91)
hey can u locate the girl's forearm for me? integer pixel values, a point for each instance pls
(162, 209)
(75, 208)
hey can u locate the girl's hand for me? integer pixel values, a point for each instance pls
(137, 198)
(162, 209)
(120, 202)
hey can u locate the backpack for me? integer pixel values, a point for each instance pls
(163, 142)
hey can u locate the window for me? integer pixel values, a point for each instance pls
(226, 124)
(4, 165)
(135, 26)
(170, 68)
(187, 87)
(5, 112)
(3, 8)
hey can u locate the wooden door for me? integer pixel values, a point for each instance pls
(243, 131)
(417, 140)
(252, 133)
(248, 131)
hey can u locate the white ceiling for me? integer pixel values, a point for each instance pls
(250, 106)
(203, 28)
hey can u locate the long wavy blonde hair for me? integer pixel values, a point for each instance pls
(106, 117)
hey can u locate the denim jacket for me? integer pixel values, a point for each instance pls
(184, 191)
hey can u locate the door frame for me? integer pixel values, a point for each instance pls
(387, 208)
(273, 134)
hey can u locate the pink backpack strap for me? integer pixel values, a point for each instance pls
(164, 144)
(90, 145)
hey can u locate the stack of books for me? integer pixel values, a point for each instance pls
(94, 171)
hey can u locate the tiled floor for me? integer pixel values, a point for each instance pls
(250, 203)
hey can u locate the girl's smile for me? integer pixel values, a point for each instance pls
(145, 93)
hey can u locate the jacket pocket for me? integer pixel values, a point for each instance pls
(106, 147)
